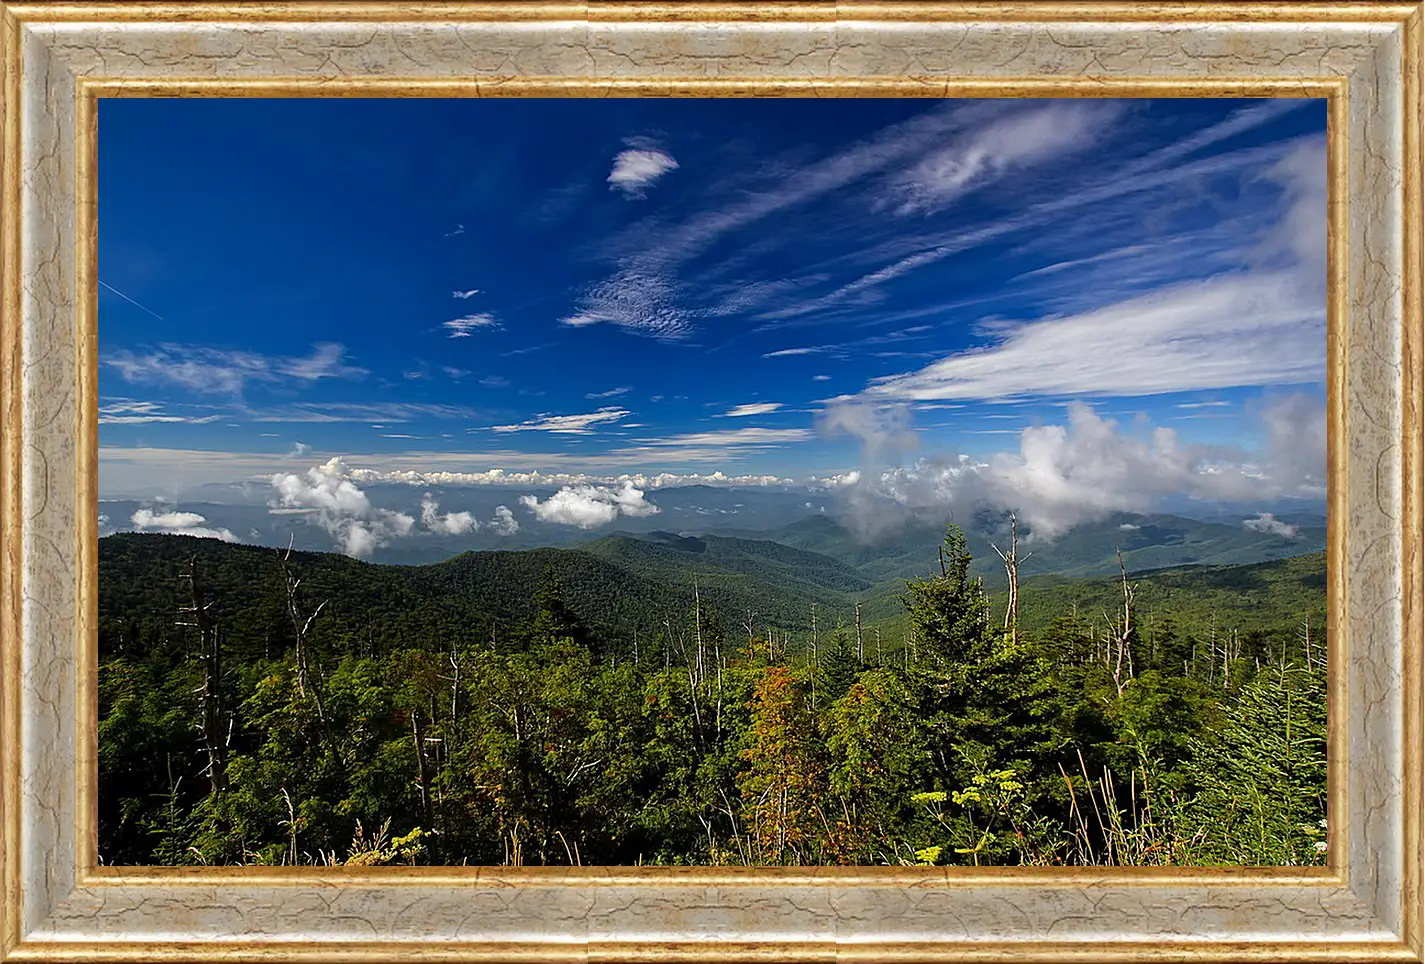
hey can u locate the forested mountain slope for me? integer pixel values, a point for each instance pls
(516, 707)
(1090, 549)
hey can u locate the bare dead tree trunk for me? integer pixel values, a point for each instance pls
(1226, 660)
(698, 628)
(860, 649)
(1124, 629)
(749, 624)
(423, 774)
(214, 723)
(1011, 567)
(814, 663)
(302, 623)
(454, 685)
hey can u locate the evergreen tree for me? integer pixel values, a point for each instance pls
(986, 699)
(839, 667)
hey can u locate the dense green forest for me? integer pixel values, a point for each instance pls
(704, 700)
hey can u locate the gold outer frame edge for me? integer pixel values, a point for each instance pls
(11, 449)
(10, 477)
(86, 531)
(1329, 88)
(1412, 508)
(776, 11)
(729, 952)
(1337, 314)
(928, 87)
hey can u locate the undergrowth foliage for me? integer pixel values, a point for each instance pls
(273, 729)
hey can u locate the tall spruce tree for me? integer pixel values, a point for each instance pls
(986, 700)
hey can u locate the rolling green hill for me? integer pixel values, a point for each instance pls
(623, 585)
(619, 585)
(1147, 542)
(1199, 599)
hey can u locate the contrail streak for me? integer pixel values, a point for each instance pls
(130, 300)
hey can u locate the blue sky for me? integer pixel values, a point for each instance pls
(789, 288)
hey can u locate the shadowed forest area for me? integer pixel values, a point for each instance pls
(546, 707)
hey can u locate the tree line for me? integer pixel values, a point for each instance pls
(292, 739)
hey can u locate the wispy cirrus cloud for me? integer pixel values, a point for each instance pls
(644, 294)
(1024, 137)
(567, 424)
(1250, 327)
(644, 299)
(751, 408)
(526, 350)
(225, 372)
(805, 350)
(463, 327)
(126, 411)
(916, 167)
(611, 393)
(738, 437)
(909, 253)
(357, 412)
(1220, 333)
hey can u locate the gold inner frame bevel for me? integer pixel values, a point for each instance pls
(1331, 89)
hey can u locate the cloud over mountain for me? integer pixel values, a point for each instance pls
(589, 506)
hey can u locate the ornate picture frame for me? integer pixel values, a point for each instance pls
(59, 58)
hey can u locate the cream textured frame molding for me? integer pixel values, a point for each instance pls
(58, 58)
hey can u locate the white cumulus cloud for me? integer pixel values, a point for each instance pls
(1269, 524)
(589, 506)
(504, 523)
(636, 169)
(337, 505)
(451, 524)
(1064, 475)
(176, 524)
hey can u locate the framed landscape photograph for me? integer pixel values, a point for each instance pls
(711, 482)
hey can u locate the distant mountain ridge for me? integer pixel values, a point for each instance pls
(624, 584)
(1146, 541)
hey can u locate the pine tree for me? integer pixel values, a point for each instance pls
(987, 699)
(839, 668)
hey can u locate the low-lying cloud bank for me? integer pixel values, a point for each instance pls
(1058, 477)
(1065, 475)
(536, 479)
(176, 524)
(1269, 524)
(330, 498)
